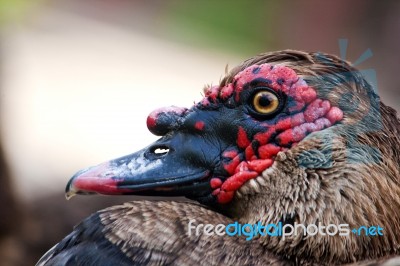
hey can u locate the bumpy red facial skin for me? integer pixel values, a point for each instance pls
(309, 114)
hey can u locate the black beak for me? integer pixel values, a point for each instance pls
(163, 169)
(181, 163)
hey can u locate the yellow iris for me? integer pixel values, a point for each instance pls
(265, 102)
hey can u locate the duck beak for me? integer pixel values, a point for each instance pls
(158, 170)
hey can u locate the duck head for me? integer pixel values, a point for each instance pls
(289, 137)
(208, 152)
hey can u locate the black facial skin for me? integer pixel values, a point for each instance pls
(186, 157)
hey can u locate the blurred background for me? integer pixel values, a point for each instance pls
(78, 79)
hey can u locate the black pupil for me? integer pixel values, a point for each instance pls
(265, 100)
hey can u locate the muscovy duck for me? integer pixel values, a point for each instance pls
(286, 138)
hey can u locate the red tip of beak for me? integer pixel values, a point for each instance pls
(94, 180)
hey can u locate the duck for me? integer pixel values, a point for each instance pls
(287, 139)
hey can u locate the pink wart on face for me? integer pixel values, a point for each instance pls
(307, 114)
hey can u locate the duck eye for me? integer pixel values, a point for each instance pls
(265, 102)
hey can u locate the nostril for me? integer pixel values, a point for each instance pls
(159, 150)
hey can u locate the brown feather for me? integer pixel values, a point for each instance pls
(157, 233)
(359, 188)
